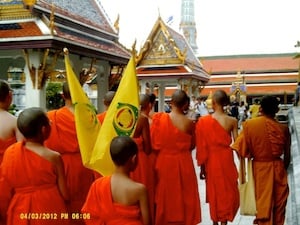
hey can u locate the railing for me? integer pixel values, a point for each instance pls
(293, 207)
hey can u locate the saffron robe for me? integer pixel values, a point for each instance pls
(103, 211)
(144, 173)
(101, 116)
(29, 184)
(4, 144)
(264, 140)
(63, 138)
(176, 196)
(214, 151)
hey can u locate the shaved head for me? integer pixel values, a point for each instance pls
(31, 120)
(108, 97)
(4, 90)
(180, 98)
(122, 148)
(144, 100)
(220, 98)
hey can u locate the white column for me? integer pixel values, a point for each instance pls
(34, 97)
(103, 70)
(161, 97)
(143, 87)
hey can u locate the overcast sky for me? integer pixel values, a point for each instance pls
(224, 27)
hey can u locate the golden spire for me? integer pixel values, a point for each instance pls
(116, 24)
(51, 22)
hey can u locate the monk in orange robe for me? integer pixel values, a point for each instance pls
(144, 172)
(8, 129)
(267, 141)
(214, 135)
(172, 134)
(63, 138)
(108, 97)
(32, 181)
(116, 199)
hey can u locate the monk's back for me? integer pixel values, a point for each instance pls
(266, 136)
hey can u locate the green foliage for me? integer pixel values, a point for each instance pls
(54, 98)
(12, 109)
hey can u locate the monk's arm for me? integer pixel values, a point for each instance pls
(144, 205)
(193, 134)
(146, 136)
(234, 129)
(61, 179)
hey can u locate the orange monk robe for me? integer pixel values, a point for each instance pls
(30, 184)
(144, 173)
(213, 150)
(4, 144)
(177, 197)
(101, 116)
(63, 139)
(264, 140)
(102, 210)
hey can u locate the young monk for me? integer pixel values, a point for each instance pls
(214, 134)
(9, 133)
(63, 138)
(32, 176)
(144, 172)
(116, 199)
(265, 140)
(172, 135)
(106, 101)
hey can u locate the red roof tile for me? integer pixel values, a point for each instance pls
(250, 63)
(27, 29)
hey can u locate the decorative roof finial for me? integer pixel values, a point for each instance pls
(116, 24)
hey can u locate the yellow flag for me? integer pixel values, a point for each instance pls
(87, 125)
(120, 119)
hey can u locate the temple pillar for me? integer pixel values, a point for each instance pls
(34, 97)
(103, 70)
(161, 97)
(143, 86)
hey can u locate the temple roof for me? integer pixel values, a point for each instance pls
(250, 63)
(82, 26)
(166, 54)
(263, 74)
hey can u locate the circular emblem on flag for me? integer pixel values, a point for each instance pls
(125, 119)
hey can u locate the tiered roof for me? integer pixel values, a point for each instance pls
(263, 74)
(82, 26)
(167, 55)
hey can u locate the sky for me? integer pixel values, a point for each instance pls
(224, 27)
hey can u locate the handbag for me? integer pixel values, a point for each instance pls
(247, 189)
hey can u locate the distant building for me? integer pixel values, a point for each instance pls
(264, 74)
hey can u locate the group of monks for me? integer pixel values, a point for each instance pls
(164, 166)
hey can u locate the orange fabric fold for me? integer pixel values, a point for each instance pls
(177, 198)
(32, 180)
(63, 138)
(213, 150)
(264, 140)
(104, 211)
(4, 144)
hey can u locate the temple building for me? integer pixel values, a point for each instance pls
(167, 62)
(264, 74)
(33, 35)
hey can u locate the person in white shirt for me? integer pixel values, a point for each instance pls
(201, 107)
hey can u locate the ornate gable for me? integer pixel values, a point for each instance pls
(167, 54)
